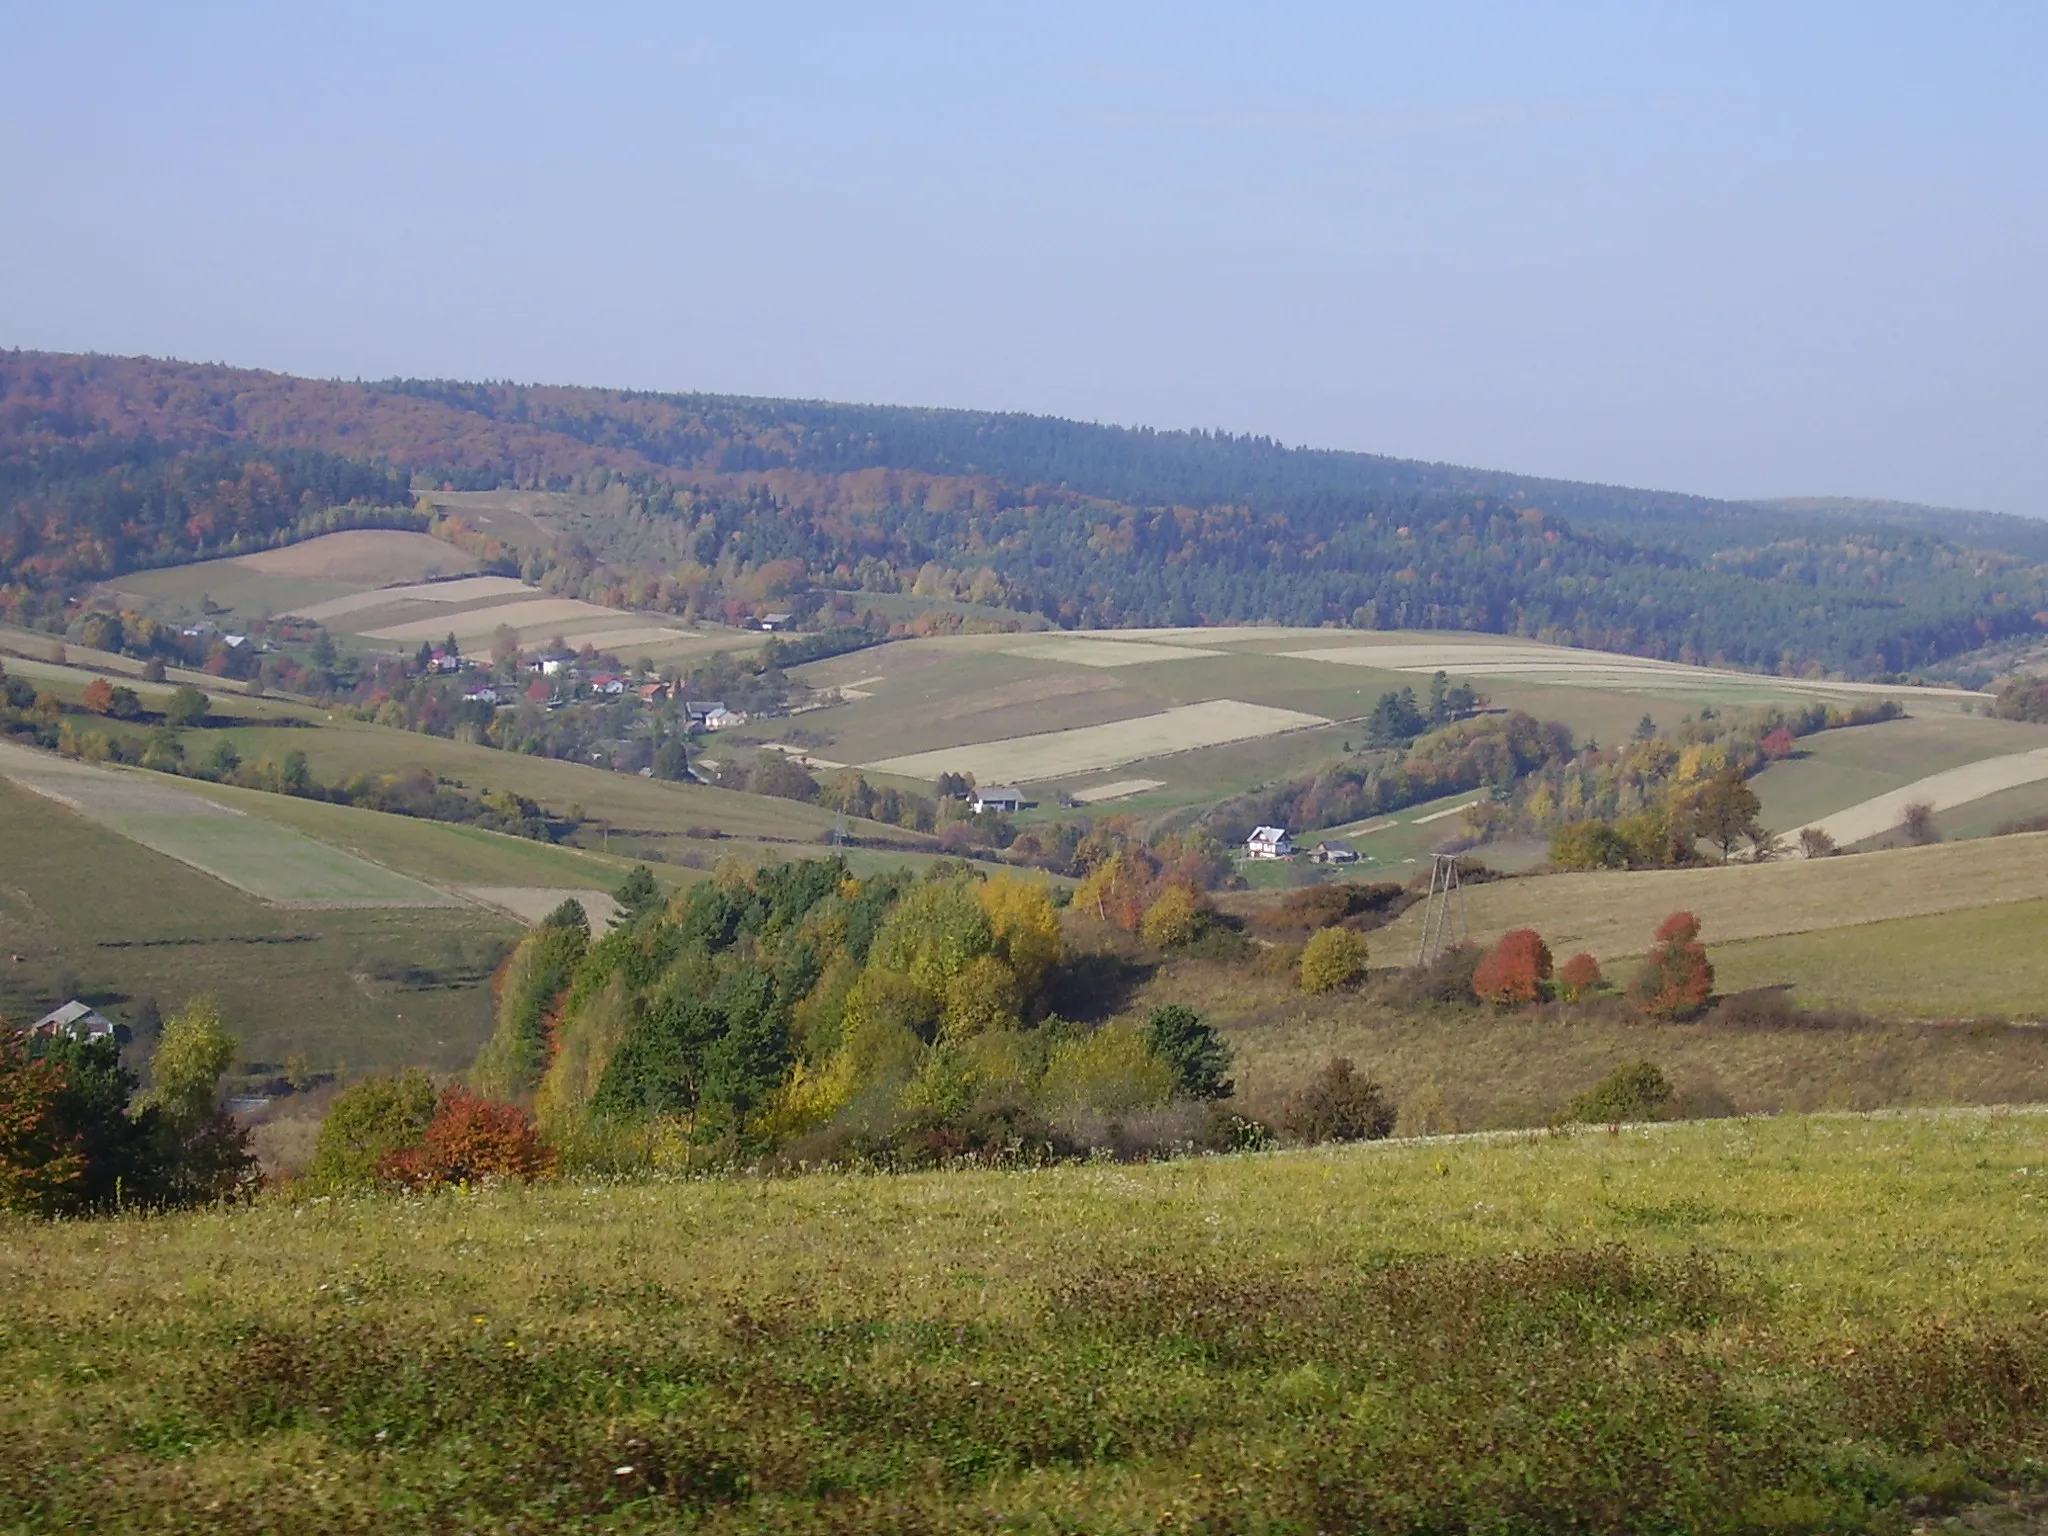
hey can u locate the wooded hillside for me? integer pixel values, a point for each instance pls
(1088, 525)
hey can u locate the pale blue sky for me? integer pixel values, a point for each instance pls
(1731, 248)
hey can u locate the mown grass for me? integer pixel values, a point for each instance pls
(1837, 769)
(1756, 1326)
(1990, 960)
(89, 911)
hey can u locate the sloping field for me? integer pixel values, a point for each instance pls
(466, 589)
(1943, 791)
(1965, 964)
(531, 903)
(371, 557)
(1085, 652)
(1527, 661)
(1612, 912)
(268, 861)
(1085, 749)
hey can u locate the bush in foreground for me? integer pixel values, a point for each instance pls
(1676, 979)
(1638, 1090)
(1339, 1105)
(370, 1121)
(470, 1139)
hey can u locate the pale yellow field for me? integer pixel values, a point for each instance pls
(531, 903)
(1096, 794)
(468, 589)
(1086, 749)
(372, 557)
(1105, 653)
(1614, 912)
(535, 618)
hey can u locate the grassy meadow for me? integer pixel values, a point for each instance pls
(85, 911)
(1818, 1324)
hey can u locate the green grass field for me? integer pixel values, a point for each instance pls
(1837, 769)
(91, 913)
(1988, 960)
(1790, 1325)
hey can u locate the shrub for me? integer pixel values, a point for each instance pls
(1917, 822)
(1635, 1091)
(1172, 920)
(98, 697)
(1514, 970)
(369, 1122)
(1579, 977)
(1197, 1055)
(1778, 744)
(1676, 978)
(1339, 1105)
(1332, 958)
(470, 1138)
(1588, 845)
(1816, 843)
(1446, 979)
(186, 706)
(203, 1154)
(1426, 1113)
(1111, 1070)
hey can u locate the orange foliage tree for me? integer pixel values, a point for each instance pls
(470, 1138)
(39, 1162)
(1578, 976)
(1676, 978)
(99, 696)
(1514, 970)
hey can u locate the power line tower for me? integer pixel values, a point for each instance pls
(1444, 907)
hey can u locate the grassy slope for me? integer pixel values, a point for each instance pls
(1496, 1070)
(1213, 1344)
(1612, 913)
(78, 901)
(1837, 769)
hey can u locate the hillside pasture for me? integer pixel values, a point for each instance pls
(1612, 912)
(1088, 749)
(1729, 1326)
(268, 861)
(92, 913)
(1975, 962)
(1833, 770)
(1944, 791)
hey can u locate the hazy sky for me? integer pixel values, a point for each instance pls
(1732, 248)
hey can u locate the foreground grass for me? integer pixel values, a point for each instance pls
(1764, 1325)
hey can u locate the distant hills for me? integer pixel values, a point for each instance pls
(109, 463)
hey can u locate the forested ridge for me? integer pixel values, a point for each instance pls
(104, 460)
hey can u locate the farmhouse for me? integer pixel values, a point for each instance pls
(608, 684)
(997, 797)
(76, 1019)
(480, 696)
(1269, 843)
(777, 620)
(1335, 853)
(711, 715)
(653, 693)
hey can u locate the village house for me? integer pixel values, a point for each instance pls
(653, 693)
(1002, 798)
(1335, 853)
(777, 620)
(710, 715)
(1269, 843)
(77, 1019)
(608, 684)
(480, 696)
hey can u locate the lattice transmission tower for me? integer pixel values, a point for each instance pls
(1444, 909)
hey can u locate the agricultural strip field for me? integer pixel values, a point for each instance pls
(1833, 770)
(466, 589)
(1057, 754)
(371, 557)
(1753, 1325)
(1612, 912)
(1942, 791)
(1087, 652)
(1983, 961)
(94, 914)
(270, 862)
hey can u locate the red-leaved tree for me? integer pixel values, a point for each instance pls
(470, 1138)
(1514, 970)
(1778, 744)
(1676, 978)
(1578, 976)
(39, 1162)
